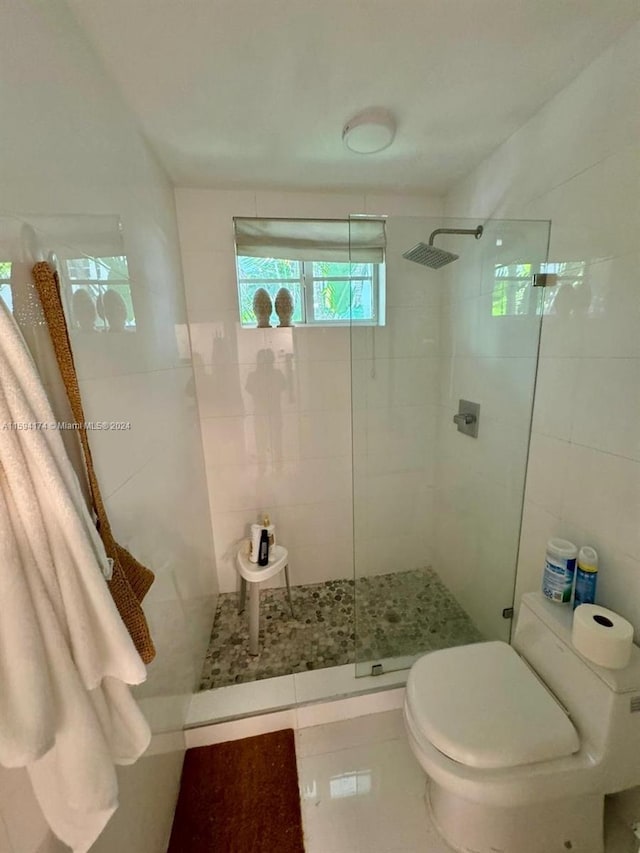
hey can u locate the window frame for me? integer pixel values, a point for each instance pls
(6, 282)
(307, 291)
(306, 281)
(97, 286)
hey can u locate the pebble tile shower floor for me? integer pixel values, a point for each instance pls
(398, 614)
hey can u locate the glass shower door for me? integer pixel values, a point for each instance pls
(436, 511)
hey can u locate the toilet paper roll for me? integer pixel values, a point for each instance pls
(602, 636)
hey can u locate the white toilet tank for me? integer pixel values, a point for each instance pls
(603, 704)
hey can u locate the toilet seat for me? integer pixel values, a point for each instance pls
(483, 707)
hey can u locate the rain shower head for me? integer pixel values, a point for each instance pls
(431, 256)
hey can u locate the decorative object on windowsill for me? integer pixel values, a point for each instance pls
(262, 307)
(84, 310)
(115, 310)
(100, 312)
(284, 307)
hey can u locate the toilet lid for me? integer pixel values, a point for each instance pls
(482, 706)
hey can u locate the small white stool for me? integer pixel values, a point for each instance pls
(253, 574)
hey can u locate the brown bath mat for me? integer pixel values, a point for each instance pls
(240, 797)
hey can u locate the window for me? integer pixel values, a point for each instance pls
(94, 276)
(512, 291)
(333, 269)
(324, 292)
(572, 295)
(271, 274)
(97, 275)
(513, 294)
(5, 284)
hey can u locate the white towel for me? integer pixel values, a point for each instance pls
(66, 659)
(29, 316)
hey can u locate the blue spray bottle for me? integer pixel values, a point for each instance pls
(586, 576)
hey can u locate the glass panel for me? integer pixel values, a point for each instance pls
(436, 512)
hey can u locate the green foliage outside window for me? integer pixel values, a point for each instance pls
(512, 294)
(510, 290)
(5, 284)
(335, 292)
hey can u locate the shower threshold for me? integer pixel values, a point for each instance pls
(301, 693)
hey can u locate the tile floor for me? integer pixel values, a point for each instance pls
(362, 791)
(403, 613)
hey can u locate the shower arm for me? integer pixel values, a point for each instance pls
(477, 232)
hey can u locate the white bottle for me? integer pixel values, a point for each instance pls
(559, 570)
(256, 530)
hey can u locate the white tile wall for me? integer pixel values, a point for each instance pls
(576, 162)
(93, 162)
(277, 434)
(479, 483)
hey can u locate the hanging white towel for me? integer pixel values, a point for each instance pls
(29, 316)
(66, 658)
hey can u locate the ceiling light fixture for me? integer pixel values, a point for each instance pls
(370, 131)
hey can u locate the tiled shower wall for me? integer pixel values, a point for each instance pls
(395, 386)
(280, 440)
(71, 148)
(577, 162)
(490, 359)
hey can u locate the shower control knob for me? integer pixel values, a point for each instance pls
(465, 419)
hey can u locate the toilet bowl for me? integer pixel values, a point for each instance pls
(520, 744)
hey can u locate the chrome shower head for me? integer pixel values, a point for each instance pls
(431, 256)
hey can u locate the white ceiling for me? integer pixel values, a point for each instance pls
(256, 92)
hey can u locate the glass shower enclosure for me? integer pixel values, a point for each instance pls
(442, 398)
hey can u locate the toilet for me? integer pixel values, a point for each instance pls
(521, 743)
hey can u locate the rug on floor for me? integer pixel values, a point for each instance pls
(240, 797)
